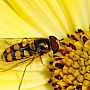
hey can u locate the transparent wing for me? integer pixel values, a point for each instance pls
(5, 66)
(5, 43)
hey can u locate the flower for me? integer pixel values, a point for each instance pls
(70, 67)
(38, 18)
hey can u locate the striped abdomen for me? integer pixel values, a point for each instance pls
(17, 52)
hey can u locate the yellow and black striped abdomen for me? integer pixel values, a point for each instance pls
(17, 52)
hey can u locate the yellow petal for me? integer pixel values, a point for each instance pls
(37, 18)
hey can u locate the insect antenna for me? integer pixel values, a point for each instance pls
(61, 39)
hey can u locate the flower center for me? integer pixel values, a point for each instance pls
(70, 66)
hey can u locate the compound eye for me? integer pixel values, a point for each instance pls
(54, 44)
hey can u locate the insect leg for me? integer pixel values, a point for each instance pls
(42, 62)
(24, 73)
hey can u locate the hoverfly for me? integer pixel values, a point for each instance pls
(28, 50)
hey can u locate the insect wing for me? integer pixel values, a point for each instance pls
(5, 66)
(4, 44)
(7, 42)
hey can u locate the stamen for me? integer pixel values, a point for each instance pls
(79, 87)
(58, 77)
(74, 38)
(51, 62)
(80, 31)
(72, 46)
(84, 39)
(54, 84)
(59, 65)
(50, 81)
(70, 69)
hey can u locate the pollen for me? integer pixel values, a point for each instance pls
(70, 69)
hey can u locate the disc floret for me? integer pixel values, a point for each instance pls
(71, 64)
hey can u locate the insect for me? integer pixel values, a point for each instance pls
(28, 50)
